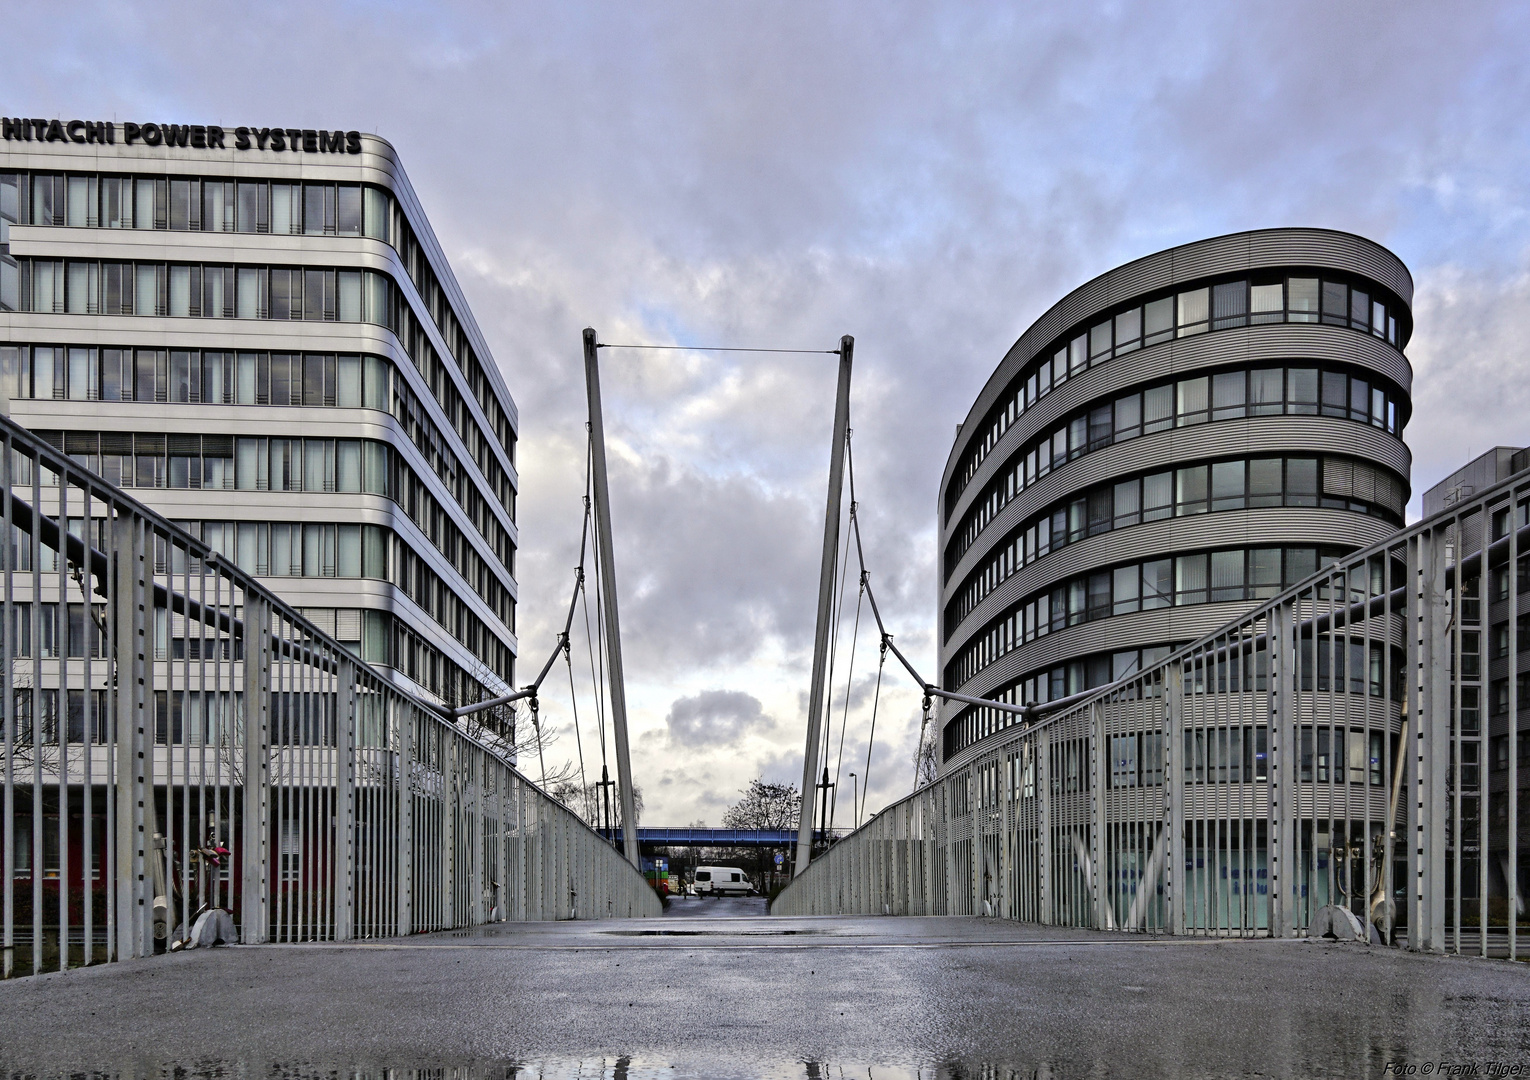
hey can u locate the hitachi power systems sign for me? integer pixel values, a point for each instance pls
(191, 136)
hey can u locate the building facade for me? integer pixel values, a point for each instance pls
(1167, 446)
(256, 332)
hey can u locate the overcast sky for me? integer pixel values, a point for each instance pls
(929, 178)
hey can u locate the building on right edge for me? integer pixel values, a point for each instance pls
(1167, 446)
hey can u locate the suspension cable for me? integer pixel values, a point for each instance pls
(844, 716)
(876, 701)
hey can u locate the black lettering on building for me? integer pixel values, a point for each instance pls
(39, 130)
(310, 141)
(176, 134)
(9, 129)
(331, 142)
(294, 138)
(262, 136)
(56, 132)
(130, 132)
(242, 138)
(75, 129)
(353, 142)
(198, 137)
(152, 136)
(277, 141)
(215, 137)
(99, 132)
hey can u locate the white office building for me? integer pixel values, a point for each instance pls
(257, 333)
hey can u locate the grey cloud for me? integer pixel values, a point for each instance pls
(929, 178)
(715, 717)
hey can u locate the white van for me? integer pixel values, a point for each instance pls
(722, 881)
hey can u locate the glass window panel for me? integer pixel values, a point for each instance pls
(1127, 503)
(318, 465)
(1128, 331)
(348, 210)
(1264, 482)
(1099, 340)
(146, 298)
(281, 378)
(1193, 310)
(82, 375)
(1335, 303)
(1266, 303)
(1191, 400)
(214, 382)
(180, 291)
(185, 204)
(80, 204)
(217, 206)
(1302, 294)
(1302, 391)
(143, 204)
(1378, 318)
(1229, 305)
(252, 292)
(378, 220)
(1157, 496)
(1128, 419)
(1335, 394)
(375, 392)
(1227, 480)
(180, 376)
(348, 382)
(1157, 584)
(1264, 573)
(1078, 358)
(1125, 589)
(1190, 579)
(313, 294)
(1359, 400)
(286, 209)
(247, 382)
(1226, 575)
(1378, 407)
(253, 213)
(1359, 310)
(1100, 427)
(1157, 409)
(1266, 392)
(1301, 563)
(314, 199)
(348, 554)
(1078, 436)
(1158, 321)
(348, 465)
(1190, 490)
(1301, 482)
(1227, 395)
(349, 303)
(1059, 447)
(313, 378)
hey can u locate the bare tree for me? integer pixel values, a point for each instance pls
(927, 757)
(765, 806)
(586, 801)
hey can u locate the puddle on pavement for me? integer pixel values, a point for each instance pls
(593, 1068)
(718, 933)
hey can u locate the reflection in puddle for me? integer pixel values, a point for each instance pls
(594, 1068)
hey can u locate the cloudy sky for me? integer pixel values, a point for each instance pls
(929, 178)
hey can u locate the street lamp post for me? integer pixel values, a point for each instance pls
(855, 800)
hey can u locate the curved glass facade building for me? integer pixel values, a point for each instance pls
(256, 332)
(1168, 445)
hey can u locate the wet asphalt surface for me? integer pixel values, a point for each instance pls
(719, 989)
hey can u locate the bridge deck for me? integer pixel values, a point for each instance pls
(755, 996)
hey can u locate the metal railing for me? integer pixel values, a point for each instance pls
(176, 739)
(1352, 745)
